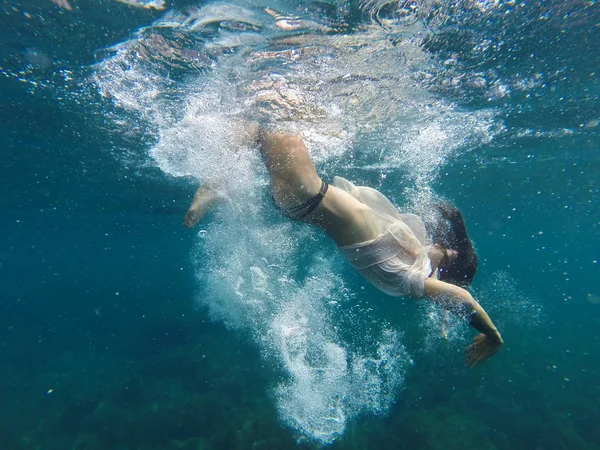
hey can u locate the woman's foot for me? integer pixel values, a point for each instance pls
(204, 198)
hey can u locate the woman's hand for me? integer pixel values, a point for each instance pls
(458, 301)
(482, 348)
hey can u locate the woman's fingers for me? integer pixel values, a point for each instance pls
(480, 350)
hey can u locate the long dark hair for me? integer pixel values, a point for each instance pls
(448, 230)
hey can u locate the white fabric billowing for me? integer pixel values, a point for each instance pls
(395, 262)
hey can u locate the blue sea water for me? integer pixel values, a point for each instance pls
(120, 329)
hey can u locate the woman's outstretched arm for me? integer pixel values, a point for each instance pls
(458, 301)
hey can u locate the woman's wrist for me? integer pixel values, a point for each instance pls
(494, 336)
(481, 321)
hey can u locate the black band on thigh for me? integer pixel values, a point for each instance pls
(304, 209)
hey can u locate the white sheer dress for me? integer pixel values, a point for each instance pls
(395, 262)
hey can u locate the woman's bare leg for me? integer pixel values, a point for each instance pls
(293, 176)
(294, 179)
(210, 192)
(205, 197)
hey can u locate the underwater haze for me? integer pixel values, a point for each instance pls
(121, 329)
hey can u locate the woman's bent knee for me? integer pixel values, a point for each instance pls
(282, 142)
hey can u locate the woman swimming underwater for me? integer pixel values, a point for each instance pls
(388, 248)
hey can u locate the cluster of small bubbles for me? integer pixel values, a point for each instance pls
(248, 285)
(423, 147)
(507, 303)
(329, 104)
(441, 327)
